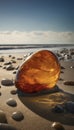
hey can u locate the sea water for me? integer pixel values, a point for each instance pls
(29, 48)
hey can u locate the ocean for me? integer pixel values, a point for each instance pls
(28, 48)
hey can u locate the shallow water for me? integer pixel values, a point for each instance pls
(29, 48)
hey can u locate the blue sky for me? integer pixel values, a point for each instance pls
(35, 19)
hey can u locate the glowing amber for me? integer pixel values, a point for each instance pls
(40, 71)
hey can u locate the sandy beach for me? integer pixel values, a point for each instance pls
(37, 108)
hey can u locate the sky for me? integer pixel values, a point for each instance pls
(36, 21)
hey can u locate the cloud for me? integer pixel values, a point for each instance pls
(36, 37)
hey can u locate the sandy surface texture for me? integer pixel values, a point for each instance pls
(37, 108)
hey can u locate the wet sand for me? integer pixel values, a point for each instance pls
(37, 108)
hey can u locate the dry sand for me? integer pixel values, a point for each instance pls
(37, 108)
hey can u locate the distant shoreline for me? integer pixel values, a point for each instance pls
(37, 44)
(29, 48)
(26, 46)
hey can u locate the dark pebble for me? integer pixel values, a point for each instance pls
(7, 63)
(61, 72)
(70, 106)
(69, 83)
(60, 79)
(10, 55)
(62, 67)
(2, 117)
(13, 92)
(7, 82)
(57, 126)
(13, 57)
(4, 126)
(4, 67)
(0, 93)
(13, 61)
(14, 72)
(71, 67)
(1, 59)
(18, 116)
(10, 67)
(58, 109)
(11, 102)
(19, 58)
(17, 68)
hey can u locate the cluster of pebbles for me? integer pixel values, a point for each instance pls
(18, 115)
(7, 82)
(64, 108)
(67, 82)
(65, 54)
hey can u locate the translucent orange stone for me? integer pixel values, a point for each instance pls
(39, 72)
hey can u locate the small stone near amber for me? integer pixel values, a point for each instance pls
(39, 72)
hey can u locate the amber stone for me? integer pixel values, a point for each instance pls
(39, 72)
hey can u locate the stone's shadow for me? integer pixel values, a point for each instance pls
(43, 102)
(43, 92)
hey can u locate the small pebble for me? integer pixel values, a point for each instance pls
(62, 67)
(4, 126)
(61, 72)
(18, 116)
(58, 109)
(1, 59)
(69, 83)
(17, 68)
(57, 126)
(14, 72)
(71, 67)
(2, 117)
(10, 55)
(10, 67)
(19, 58)
(7, 63)
(4, 67)
(7, 82)
(13, 57)
(0, 93)
(13, 92)
(70, 106)
(11, 102)
(60, 79)
(13, 61)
